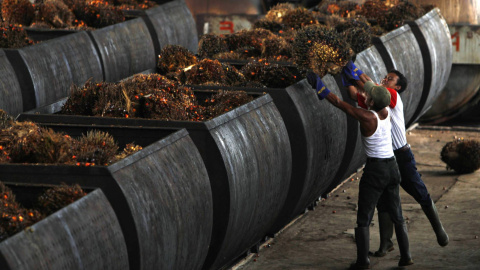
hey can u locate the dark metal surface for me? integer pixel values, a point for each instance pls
(433, 36)
(11, 100)
(457, 96)
(125, 48)
(403, 51)
(166, 218)
(84, 235)
(55, 64)
(40, 34)
(173, 24)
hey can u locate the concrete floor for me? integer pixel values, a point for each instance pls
(323, 238)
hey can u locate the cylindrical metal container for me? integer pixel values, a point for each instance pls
(13, 100)
(125, 49)
(49, 68)
(84, 235)
(317, 138)
(401, 51)
(161, 195)
(457, 96)
(248, 159)
(173, 23)
(433, 36)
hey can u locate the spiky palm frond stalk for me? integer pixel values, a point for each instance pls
(175, 57)
(56, 198)
(129, 149)
(320, 49)
(463, 156)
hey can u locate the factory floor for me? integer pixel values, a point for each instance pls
(324, 238)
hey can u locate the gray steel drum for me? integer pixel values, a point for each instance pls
(54, 65)
(173, 23)
(125, 48)
(10, 90)
(433, 35)
(161, 196)
(371, 63)
(457, 96)
(84, 235)
(402, 52)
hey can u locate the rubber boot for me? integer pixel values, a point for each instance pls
(403, 245)
(385, 225)
(362, 239)
(432, 215)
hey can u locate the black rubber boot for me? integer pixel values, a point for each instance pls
(385, 225)
(362, 239)
(432, 215)
(403, 245)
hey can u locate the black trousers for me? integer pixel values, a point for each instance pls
(379, 187)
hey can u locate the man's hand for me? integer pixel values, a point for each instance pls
(322, 90)
(352, 72)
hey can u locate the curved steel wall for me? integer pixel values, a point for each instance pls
(12, 100)
(125, 49)
(84, 235)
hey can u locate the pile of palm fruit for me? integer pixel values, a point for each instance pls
(151, 96)
(13, 36)
(69, 14)
(15, 217)
(463, 156)
(26, 142)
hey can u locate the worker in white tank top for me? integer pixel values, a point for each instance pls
(412, 183)
(380, 181)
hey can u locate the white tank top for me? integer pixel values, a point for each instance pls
(398, 125)
(379, 144)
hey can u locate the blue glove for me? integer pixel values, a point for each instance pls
(351, 71)
(312, 79)
(345, 80)
(322, 90)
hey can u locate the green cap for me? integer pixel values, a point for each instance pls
(379, 94)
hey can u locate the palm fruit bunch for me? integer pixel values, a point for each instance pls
(13, 36)
(129, 149)
(13, 217)
(339, 8)
(56, 198)
(113, 101)
(463, 156)
(17, 12)
(134, 4)
(397, 15)
(225, 101)
(97, 13)
(95, 148)
(247, 42)
(82, 99)
(211, 44)
(373, 9)
(206, 71)
(44, 146)
(233, 76)
(53, 14)
(298, 18)
(320, 49)
(172, 58)
(357, 32)
(270, 74)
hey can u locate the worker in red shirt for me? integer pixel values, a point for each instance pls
(395, 82)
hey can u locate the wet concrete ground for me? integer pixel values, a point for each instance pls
(323, 238)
